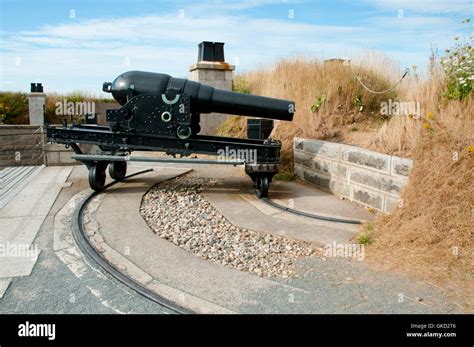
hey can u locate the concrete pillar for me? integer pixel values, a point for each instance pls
(36, 102)
(211, 69)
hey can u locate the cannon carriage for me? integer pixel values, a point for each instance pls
(162, 113)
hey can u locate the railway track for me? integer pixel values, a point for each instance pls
(87, 248)
(310, 215)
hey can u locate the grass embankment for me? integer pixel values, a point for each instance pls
(430, 235)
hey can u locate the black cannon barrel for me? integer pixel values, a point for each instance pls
(204, 98)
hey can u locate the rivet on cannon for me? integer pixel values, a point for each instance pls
(166, 116)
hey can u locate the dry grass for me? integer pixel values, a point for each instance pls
(304, 81)
(436, 220)
(431, 236)
(399, 135)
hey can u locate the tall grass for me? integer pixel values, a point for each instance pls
(430, 235)
(330, 101)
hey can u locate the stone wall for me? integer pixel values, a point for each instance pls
(58, 155)
(24, 145)
(370, 178)
(21, 145)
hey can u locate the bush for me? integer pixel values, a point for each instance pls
(232, 127)
(13, 108)
(458, 64)
(366, 237)
(240, 85)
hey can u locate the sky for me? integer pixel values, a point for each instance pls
(77, 45)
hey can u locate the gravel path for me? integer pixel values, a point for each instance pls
(177, 212)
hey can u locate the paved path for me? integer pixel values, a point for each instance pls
(235, 198)
(62, 281)
(52, 287)
(325, 285)
(22, 217)
(14, 179)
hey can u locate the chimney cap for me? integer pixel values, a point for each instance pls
(211, 51)
(36, 87)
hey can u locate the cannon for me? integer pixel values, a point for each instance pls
(205, 99)
(162, 113)
(161, 104)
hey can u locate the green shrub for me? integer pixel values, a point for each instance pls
(230, 127)
(284, 175)
(458, 64)
(366, 237)
(318, 103)
(13, 108)
(240, 85)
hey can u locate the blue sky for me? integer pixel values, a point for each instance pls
(77, 45)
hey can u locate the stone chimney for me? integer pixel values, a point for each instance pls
(36, 102)
(211, 69)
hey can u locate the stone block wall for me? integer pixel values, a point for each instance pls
(58, 155)
(21, 145)
(370, 178)
(25, 145)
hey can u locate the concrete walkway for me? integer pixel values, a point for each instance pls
(324, 285)
(21, 219)
(14, 179)
(74, 286)
(235, 198)
(63, 281)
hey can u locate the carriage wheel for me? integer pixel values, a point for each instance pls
(118, 170)
(262, 185)
(97, 177)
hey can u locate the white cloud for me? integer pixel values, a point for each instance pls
(413, 22)
(220, 5)
(425, 6)
(83, 54)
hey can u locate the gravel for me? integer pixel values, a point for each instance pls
(177, 212)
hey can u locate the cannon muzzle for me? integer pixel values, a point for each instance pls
(204, 98)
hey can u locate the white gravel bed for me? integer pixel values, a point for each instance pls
(177, 212)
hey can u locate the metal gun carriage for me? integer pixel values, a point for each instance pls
(162, 113)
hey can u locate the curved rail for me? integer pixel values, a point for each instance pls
(310, 215)
(86, 247)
